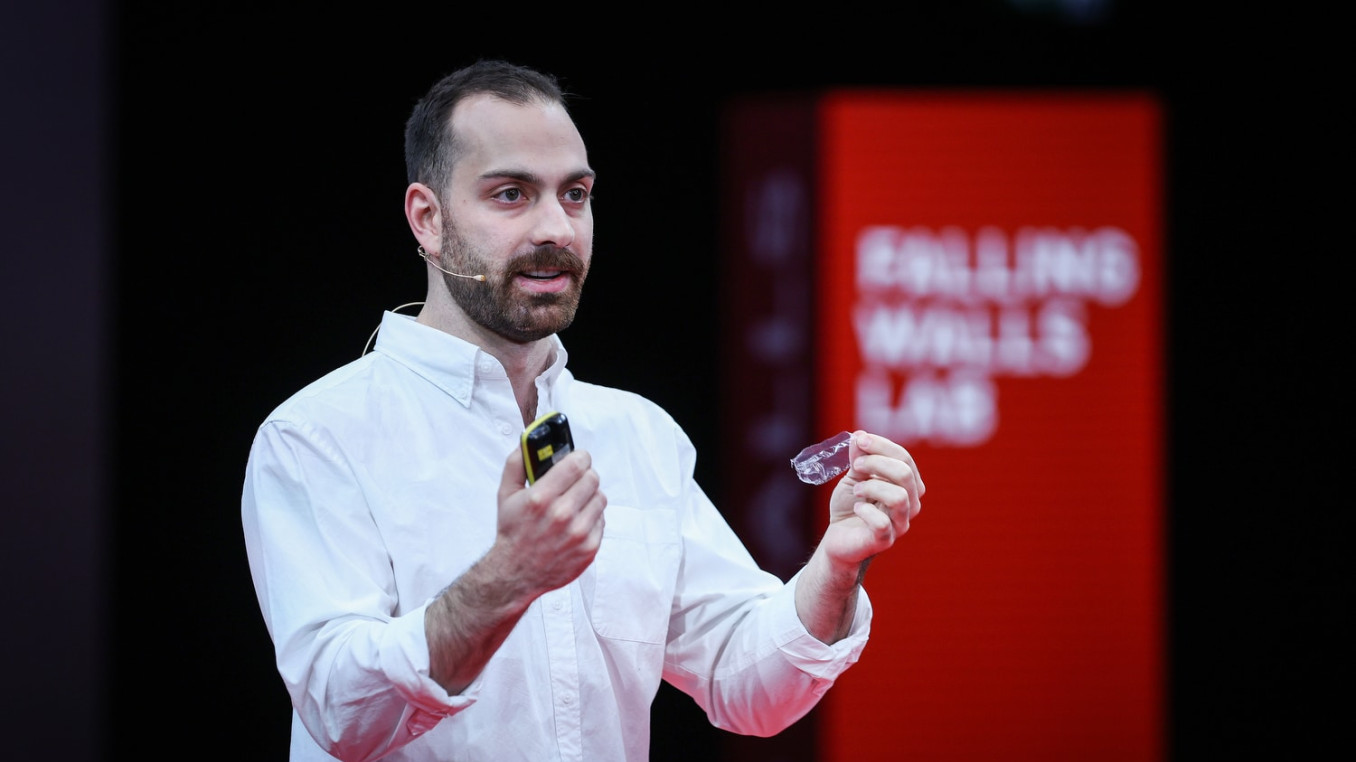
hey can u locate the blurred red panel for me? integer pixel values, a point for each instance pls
(989, 293)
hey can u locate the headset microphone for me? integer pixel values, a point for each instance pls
(424, 254)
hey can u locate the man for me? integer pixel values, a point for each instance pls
(425, 603)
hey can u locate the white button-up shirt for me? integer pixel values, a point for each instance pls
(372, 489)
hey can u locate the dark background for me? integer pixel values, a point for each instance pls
(202, 212)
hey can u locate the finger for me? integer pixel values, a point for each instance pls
(581, 508)
(563, 473)
(594, 513)
(874, 444)
(581, 495)
(875, 518)
(890, 470)
(895, 501)
(567, 472)
(879, 457)
(889, 496)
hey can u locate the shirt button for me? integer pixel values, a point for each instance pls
(556, 605)
(567, 700)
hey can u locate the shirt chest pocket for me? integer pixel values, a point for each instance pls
(637, 569)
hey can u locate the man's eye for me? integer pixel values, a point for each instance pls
(512, 194)
(576, 194)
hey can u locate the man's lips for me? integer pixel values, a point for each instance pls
(545, 281)
(544, 274)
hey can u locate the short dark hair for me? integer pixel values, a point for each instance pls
(430, 146)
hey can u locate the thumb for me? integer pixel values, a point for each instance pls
(854, 451)
(514, 475)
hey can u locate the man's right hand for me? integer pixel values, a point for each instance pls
(549, 532)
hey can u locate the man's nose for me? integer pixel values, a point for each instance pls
(553, 224)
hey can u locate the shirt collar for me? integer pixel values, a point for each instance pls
(450, 363)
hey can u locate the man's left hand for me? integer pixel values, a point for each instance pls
(873, 502)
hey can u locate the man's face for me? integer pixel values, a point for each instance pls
(518, 210)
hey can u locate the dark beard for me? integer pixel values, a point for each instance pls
(497, 306)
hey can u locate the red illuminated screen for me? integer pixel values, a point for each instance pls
(989, 294)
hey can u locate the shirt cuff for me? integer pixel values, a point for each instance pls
(808, 653)
(405, 660)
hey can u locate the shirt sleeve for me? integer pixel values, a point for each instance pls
(357, 674)
(736, 644)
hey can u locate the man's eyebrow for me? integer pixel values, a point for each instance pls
(531, 178)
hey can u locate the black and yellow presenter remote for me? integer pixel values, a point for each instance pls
(546, 441)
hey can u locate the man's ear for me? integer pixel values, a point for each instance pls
(425, 216)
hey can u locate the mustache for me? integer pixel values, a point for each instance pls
(547, 257)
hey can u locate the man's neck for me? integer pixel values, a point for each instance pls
(523, 362)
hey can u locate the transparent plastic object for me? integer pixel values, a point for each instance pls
(821, 462)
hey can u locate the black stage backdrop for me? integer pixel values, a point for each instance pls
(203, 213)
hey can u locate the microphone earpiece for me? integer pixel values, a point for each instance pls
(424, 254)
